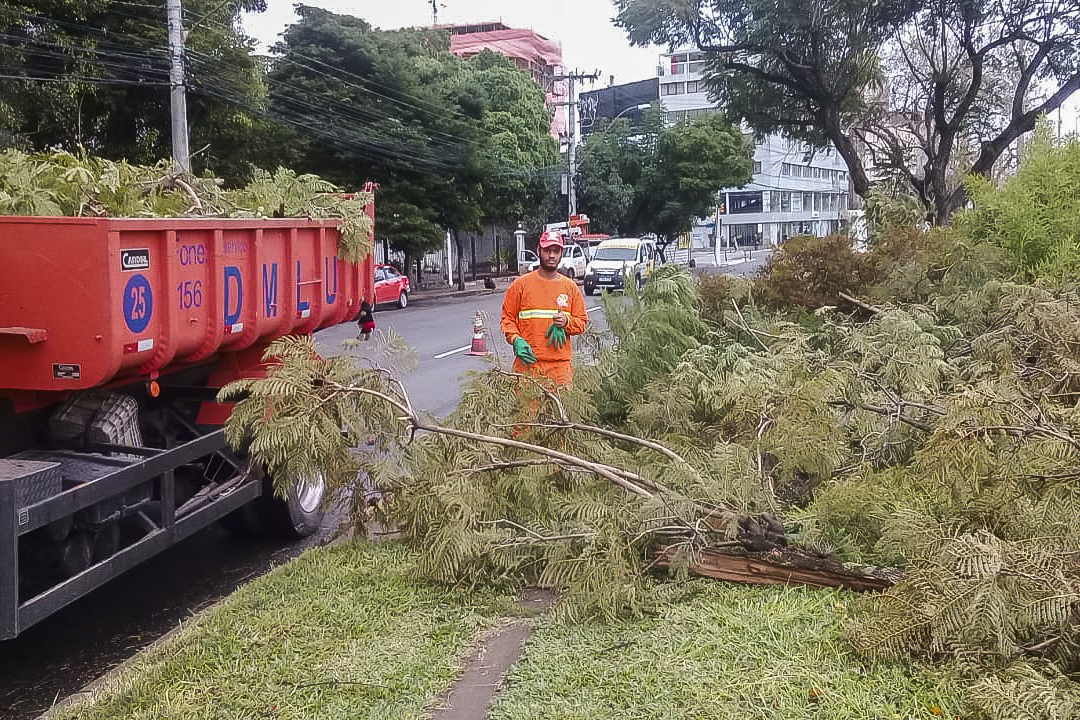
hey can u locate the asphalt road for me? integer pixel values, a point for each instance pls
(440, 332)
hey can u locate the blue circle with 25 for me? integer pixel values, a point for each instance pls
(138, 303)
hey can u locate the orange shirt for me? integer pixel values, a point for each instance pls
(531, 303)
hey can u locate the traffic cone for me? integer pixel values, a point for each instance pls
(479, 337)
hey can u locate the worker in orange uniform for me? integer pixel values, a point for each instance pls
(540, 311)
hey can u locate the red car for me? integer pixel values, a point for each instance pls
(391, 286)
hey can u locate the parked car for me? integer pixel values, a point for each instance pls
(572, 264)
(391, 286)
(617, 258)
(526, 260)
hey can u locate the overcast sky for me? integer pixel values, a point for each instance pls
(583, 27)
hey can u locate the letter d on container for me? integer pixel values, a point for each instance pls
(233, 273)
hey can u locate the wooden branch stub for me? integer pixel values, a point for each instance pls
(781, 567)
(859, 303)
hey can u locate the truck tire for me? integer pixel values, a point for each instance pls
(300, 513)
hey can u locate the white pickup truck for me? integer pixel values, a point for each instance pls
(572, 264)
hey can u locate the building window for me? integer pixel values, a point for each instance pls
(695, 86)
(807, 201)
(744, 202)
(673, 88)
(757, 166)
(843, 201)
(785, 201)
(785, 169)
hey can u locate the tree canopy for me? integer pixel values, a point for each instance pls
(933, 89)
(453, 143)
(95, 75)
(657, 179)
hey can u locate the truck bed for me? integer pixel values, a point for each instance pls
(85, 302)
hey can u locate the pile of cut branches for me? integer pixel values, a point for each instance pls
(60, 183)
(885, 446)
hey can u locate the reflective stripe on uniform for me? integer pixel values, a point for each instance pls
(537, 314)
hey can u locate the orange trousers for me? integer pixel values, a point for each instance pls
(560, 373)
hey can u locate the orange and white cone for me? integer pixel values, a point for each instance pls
(479, 337)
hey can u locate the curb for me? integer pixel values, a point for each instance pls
(420, 296)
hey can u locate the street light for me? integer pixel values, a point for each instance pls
(641, 106)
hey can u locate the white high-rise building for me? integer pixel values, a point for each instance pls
(793, 191)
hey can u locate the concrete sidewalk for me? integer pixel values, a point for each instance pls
(472, 287)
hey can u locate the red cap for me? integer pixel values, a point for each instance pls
(549, 239)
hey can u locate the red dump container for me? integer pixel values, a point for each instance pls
(86, 301)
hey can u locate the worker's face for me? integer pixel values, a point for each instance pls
(550, 256)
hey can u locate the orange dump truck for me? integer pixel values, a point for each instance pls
(115, 335)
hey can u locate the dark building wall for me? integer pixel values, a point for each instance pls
(606, 103)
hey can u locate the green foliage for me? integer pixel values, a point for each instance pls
(60, 183)
(869, 78)
(94, 76)
(652, 331)
(941, 436)
(454, 143)
(1035, 215)
(657, 179)
(811, 272)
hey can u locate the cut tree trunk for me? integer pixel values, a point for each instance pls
(782, 566)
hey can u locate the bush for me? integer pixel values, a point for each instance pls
(810, 272)
(1035, 215)
(717, 291)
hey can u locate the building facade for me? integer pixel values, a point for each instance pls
(794, 190)
(533, 53)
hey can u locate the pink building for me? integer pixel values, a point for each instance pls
(533, 53)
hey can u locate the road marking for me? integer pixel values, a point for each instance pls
(594, 307)
(448, 353)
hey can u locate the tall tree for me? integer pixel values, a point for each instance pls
(658, 179)
(452, 142)
(813, 71)
(95, 74)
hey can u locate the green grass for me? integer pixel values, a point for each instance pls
(731, 652)
(340, 632)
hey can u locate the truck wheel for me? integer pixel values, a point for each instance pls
(300, 513)
(403, 300)
(76, 554)
(570, 273)
(589, 290)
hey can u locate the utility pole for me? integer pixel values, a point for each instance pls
(571, 136)
(177, 97)
(434, 12)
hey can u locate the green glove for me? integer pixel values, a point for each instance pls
(556, 336)
(523, 351)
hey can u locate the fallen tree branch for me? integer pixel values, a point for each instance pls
(781, 567)
(666, 452)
